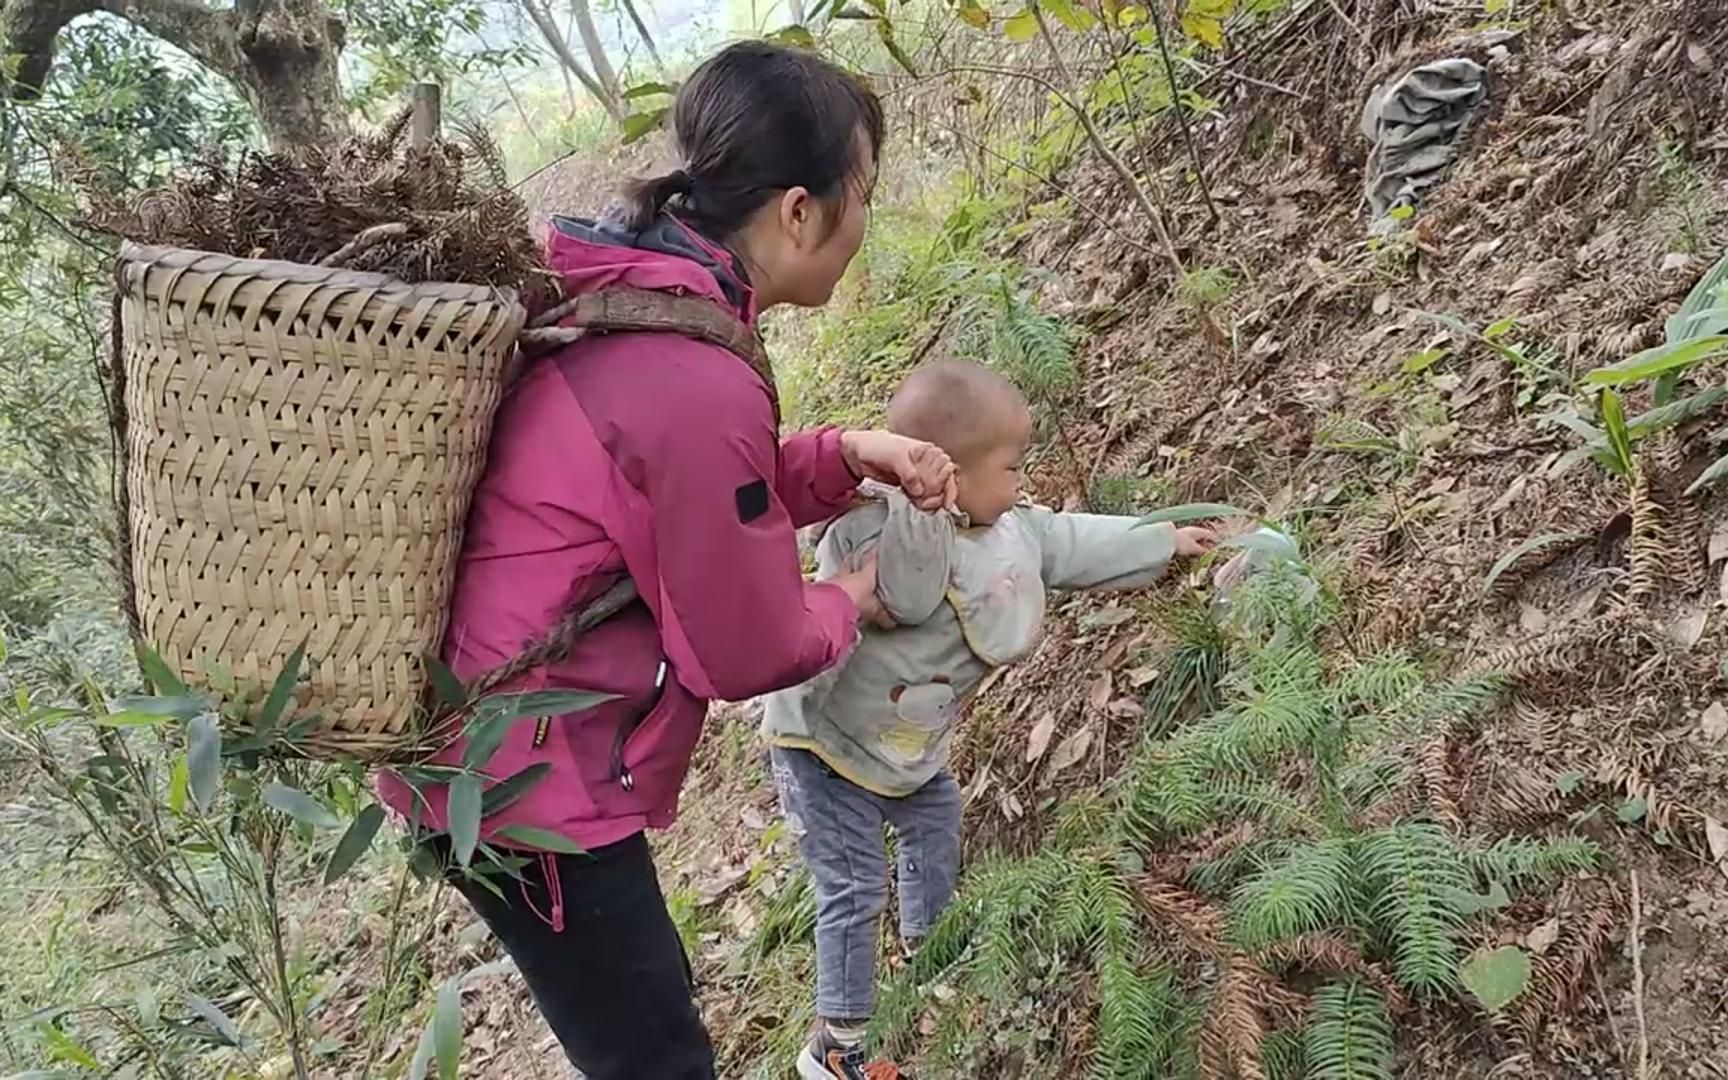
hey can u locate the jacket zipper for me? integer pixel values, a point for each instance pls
(619, 772)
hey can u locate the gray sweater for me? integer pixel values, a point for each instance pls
(966, 600)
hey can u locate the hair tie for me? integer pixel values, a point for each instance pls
(677, 182)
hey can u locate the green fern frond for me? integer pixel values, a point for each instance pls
(1304, 891)
(1372, 776)
(1411, 873)
(1458, 701)
(1283, 1056)
(1220, 875)
(1524, 863)
(1141, 1021)
(1381, 682)
(1171, 795)
(1035, 350)
(1348, 1036)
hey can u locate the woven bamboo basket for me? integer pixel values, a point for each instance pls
(300, 446)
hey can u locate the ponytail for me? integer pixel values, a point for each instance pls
(645, 200)
(754, 120)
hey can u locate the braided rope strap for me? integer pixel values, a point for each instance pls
(621, 310)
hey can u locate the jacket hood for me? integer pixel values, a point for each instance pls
(668, 256)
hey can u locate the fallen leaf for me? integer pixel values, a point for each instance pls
(1099, 696)
(1719, 543)
(1510, 495)
(1071, 750)
(1542, 936)
(1716, 835)
(1126, 709)
(1531, 619)
(1675, 261)
(753, 819)
(979, 785)
(1142, 676)
(1715, 721)
(1687, 627)
(1583, 604)
(1011, 808)
(1104, 620)
(1382, 303)
(1039, 740)
(716, 887)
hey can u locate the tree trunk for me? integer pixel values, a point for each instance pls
(642, 32)
(555, 40)
(596, 49)
(281, 55)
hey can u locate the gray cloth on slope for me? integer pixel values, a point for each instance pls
(1416, 124)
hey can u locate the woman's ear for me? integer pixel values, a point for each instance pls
(798, 216)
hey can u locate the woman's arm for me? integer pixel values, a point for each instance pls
(815, 483)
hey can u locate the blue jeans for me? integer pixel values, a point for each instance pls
(838, 826)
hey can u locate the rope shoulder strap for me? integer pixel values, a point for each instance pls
(621, 310)
(628, 310)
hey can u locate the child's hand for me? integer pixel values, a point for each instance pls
(1194, 540)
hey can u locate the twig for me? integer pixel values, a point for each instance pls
(1181, 112)
(367, 240)
(1100, 144)
(1638, 980)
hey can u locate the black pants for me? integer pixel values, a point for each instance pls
(614, 984)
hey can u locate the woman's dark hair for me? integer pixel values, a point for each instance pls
(756, 119)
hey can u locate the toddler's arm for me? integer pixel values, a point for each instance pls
(1100, 551)
(914, 551)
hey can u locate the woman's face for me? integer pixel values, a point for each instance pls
(802, 245)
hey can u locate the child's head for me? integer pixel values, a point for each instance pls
(980, 419)
(779, 149)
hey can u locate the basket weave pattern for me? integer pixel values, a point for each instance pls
(300, 445)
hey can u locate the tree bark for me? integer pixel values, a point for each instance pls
(596, 49)
(642, 32)
(542, 19)
(281, 55)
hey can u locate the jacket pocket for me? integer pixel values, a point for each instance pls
(632, 722)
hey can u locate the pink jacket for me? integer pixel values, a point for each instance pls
(658, 456)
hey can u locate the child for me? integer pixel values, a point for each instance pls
(867, 743)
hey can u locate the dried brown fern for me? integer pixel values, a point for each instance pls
(1439, 788)
(1557, 652)
(1647, 548)
(1234, 1030)
(1685, 564)
(1558, 976)
(1197, 923)
(1337, 955)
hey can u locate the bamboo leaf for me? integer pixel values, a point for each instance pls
(885, 32)
(539, 840)
(1619, 437)
(1535, 543)
(158, 674)
(1718, 470)
(541, 703)
(1703, 306)
(464, 814)
(445, 685)
(207, 1011)
(649, 89)
(447, 1029)
(282, 690)
(354, 843)
(505, 793)
(798, 37)
(179, 785)
(299, 806)
(1658, 361)
(639, 125)
(973, 14)
(183, 707)
(1070, 14)
(129, 719)
(1192, 512)
(1022, 26)
(204, 759)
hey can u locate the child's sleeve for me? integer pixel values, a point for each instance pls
(914, 552)
(1099, 551)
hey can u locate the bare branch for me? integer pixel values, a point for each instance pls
(596, 49)
(542, 19)
(642, 32)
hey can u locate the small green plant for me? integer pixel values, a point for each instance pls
(1342, 873)
(1128, 492)
(1531, 361)
(1205, 288)
(1685, 205)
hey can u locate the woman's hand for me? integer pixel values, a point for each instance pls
(860, 585)
(922, 470)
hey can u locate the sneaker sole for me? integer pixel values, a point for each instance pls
(811, 1069)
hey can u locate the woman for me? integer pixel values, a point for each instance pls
(657, 456)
